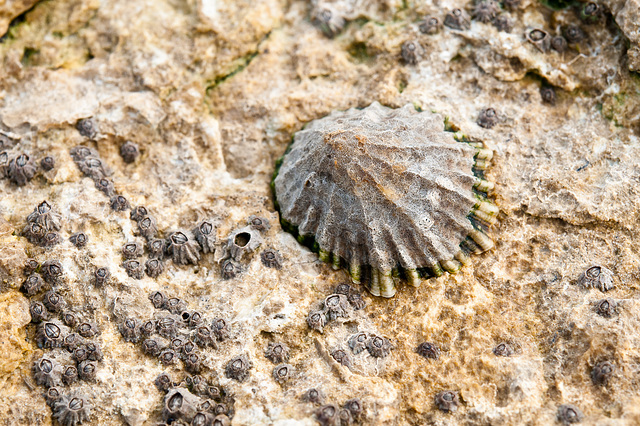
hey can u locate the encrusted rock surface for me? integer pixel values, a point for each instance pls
(211, 93)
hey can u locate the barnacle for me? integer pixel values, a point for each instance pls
(80, 354)
(34, 232)
(158, 299)
(282, 373)
(4, 164)
(156, 248)
(138, 213)
(447, 401)
(70, 375)
(175, 305)
(503, 23)
(597, 276)
(457, 19)
(238, 368)
(335, 306)
(180, 404)
(366, 189)
(50, 239)
(183, 250)
(428, 350)
(88, 329)
(134, 268)
(51, 272)
(52, 395)
(548, 95)
(259, 223)
(341, 357)
(101, 276)
(50, 334)
(356, 301)
(229, 269)
(38, 312)
(163, 382)
(148, 227)
(591, 12)
(355, 408)
(205, 236)
(53, 301)
(119, 203)
(487, 118)
(21, 169)
(569, 414)
(243, 241)
(47, 163)
(72, 410)
(188, 348)
(30, 266)
(203, 337)
(602, 372)
(105, 186)
(79, 239)
(45, 216)
(33, 285)
(148, 327)
(329, 20)
(129, 152)
(411, 52)
(503, 349)
(176, 344)
(430, 25)
(151, 347)
(94, 353)
(485, 10)
(221, 420)
(131, 250)
(220, 329)
(194, 319)
(511, 4)
(314, 396)
(573, 34)
(277, 352)
(80, 152)
(69, 318)
(166, 327)
(87, 127)
(316, 320)
(344, 416)
(47, 372)
(130, 330)
(92, 167)
(202, 419)
(606, 308)
(559, 44)
(192, 363)
(153, 268)
(167, 356)
(379, 347)
(540, 39)
(327, 415)
(87, 370)
(72, 341)
(358, 342)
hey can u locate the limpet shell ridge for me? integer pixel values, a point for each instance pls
(387, 194)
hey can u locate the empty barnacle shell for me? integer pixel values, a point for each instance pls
(540, 39)
(79, 239)
(277, 352)
(72, 410)
(259, 223)
(485, 10)
(21, 169)
(597, 276)
(182, 249)
(430, 25)
(242, 242)
(238, 368)
(271, 258)
(411, 52)
(457, 19)
(447, 401)
(205, 234)
(328, 19)
(366, 189)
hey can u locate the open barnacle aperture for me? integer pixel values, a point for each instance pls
(387, 194)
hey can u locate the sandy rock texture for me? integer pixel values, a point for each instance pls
(211, 92)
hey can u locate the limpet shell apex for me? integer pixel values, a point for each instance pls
(386, 193)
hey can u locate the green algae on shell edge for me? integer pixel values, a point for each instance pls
(387, 194)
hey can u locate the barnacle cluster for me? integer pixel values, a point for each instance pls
(42, 226)
(197, 404)
(352, 411)
(337, 305)
(354, 185)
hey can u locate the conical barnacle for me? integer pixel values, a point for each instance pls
(45, 216)
(597, 276)
(38, 312)
(271, 258)
(47, 372)
(411, 52)
(430, 25)
(205, 234)
(457, 19)
(238, 368)
(72, 410)
(259, 223)
(328, 19)
(51, 271)
(243, 241)
(148, 227)
(131, 250)
(358, 342)
(379, 347)
(50, 334)
(92, 167)
(336, 306)
(386, 193)
(540, 39)
(34, 284)
(4, 165)
(485, 10)
(21, 169)
(182, 249)
(48, 163)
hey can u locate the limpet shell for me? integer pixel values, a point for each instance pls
(386, 193)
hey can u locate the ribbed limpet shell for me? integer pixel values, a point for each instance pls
(386, 193)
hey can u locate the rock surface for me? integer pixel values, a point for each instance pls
(212, 92)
